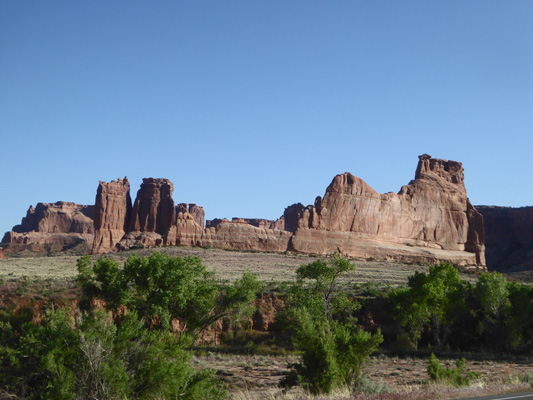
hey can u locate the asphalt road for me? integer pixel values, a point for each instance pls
(508, 396)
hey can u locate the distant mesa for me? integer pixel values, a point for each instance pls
(428, 220)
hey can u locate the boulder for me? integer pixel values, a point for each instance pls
(112, 214)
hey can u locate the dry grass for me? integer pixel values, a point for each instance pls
(256, 378)
(228, 265)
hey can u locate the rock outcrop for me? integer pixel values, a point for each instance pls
(155, 221)
(509, 237)
(431, 212)
(197, 212)
(239, 235)
(112, 214)
(153, 210)
(428, 220)
(51, 228)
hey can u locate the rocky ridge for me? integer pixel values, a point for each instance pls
(428, 220)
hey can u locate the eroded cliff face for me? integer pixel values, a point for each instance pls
(509, 237)
(432, 211)
(153, 210)
(51, 228)
(112, 214)
(428, 220)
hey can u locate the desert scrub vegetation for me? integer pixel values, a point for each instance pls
(457, 376)
(334, 349)
(92, 357)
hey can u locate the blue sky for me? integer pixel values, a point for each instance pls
(248, 107)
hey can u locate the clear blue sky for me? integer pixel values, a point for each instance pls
(248, 106)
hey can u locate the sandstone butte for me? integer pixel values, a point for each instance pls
(53, 227)
(428, 220)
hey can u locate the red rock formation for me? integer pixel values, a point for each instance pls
(196, 212)
(53, 227)
(257, 222)
(156, 222)
(428, 220)
(59, 217)
(153, 210)
(112, 214)
(238, 235)
(432, 211)
(2, 256)
(509, 237)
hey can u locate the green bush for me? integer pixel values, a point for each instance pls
(457, 376)
(322, 324)
(96, 359)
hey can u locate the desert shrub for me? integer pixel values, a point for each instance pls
(457, 376)
(322, 323)
(97, 359)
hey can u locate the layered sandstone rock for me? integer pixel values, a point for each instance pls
(428, 220)
(2, 256)
(59, 217)
(112, 214)
(509, 237)
(238, 235)
(432, 211)
(197, 212)
(156, 221)
(187, 229)
(153, 210)
(53, 227)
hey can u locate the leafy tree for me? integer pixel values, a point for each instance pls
(520, 317)
(97, 359)
(436, 299)
(334, 349)
(492, 293)
(161, 288)
(325, 276)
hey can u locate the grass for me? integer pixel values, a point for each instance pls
(253, 377)
(270, 268)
